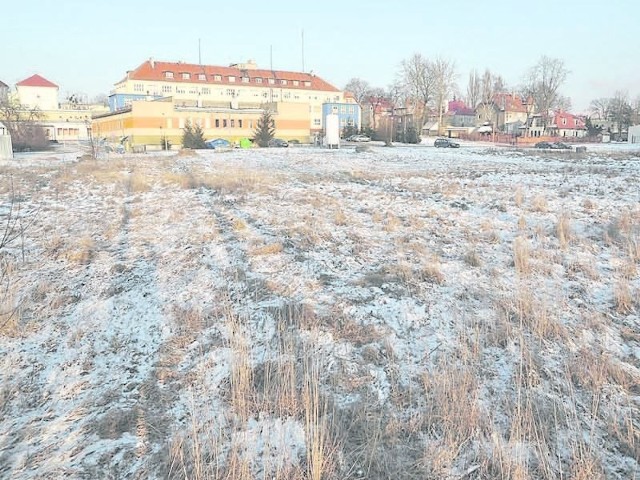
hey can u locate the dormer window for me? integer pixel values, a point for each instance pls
(564, 121)
(283, 82)
(217, 78)
(232, 79)
(307, 84)
(186, 76)
(272, 81)
(296, 83)
(245, 79)
(202, 76)
(168, 74)
(258, 80)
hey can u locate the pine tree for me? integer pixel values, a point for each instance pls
(193, 136)
(265, 129)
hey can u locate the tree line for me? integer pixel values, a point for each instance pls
(425, 85)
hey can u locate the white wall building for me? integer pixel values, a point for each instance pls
(38, 92)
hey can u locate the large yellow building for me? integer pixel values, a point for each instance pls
(150, 123)
(237, 87)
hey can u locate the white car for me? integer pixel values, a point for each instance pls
(359, 138)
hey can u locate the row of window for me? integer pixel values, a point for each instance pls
(343, 109)
(232, 79)
(230, 92)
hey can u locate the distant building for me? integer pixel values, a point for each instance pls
(238, 86)
(348, 114)
(37, 92)
(565, 124)
(149, 123)
(634, 134)
(4, 91)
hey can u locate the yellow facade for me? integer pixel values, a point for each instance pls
(149, 123)
(244, 92)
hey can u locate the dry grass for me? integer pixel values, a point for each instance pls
(539, 204)
(563, 230)
(622, 297)
(522, 256)
(268, 249)
(82, 252)
(518, 197)
(472, 258)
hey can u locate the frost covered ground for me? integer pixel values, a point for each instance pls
(304, 313)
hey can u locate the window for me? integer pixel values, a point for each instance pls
(245, 79)
(138, 87)
(206, 91)
(283, 82)
(307, 84)
(168, 74)
(193, 91)
(167, 89)
(233, 123)
(217, 123)
(224, 123)
(286, 95)
(179, 90)
(296, 83)
(272, 81)
(217, 78)
(232, 79)
(231, 92)
(186, 76)
(202, 76)
(316, 122)
(240, 123)
(258, 80)
(564, 121)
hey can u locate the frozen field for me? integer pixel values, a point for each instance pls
(300, 313)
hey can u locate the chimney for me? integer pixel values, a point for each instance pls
(152, 62)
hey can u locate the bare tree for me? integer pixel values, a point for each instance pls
(564, 103)
(359, 88)
(620, 112)
(375, 99)
(443, 73)
(473, 89)
(601, 107)
(543, 83)
(22, 123)
(418, 84)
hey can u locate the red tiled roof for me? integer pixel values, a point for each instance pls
(572, 122)
(36, 81)
(509, 102)
(155, 71)
(458, 107)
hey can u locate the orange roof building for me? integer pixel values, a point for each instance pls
(236, 86)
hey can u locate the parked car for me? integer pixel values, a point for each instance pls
(359, 138)
(278, 142)
(543, 145)
(445, 143)
(218, 143)
(560, 146)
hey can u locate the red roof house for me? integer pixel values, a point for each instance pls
(36, 81)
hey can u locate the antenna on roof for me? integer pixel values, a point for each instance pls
(271, 56)
(199, 53)
(303, 50)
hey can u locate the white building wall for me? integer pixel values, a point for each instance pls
(634, 134)
(43, 98)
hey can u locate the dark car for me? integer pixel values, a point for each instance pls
(278, 142)
(543, 145)
(560, 146)
(445, 143)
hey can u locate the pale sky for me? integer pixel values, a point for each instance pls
(86, 46)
